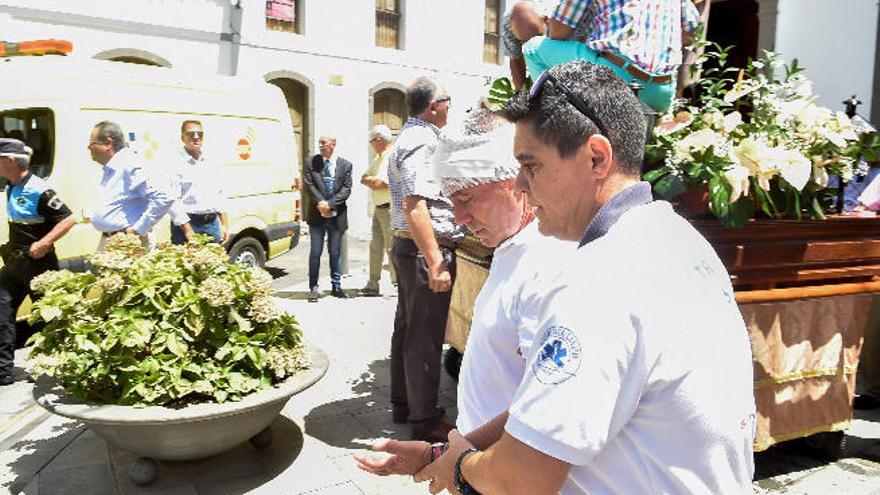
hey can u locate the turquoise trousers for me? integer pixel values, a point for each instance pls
(542, 53)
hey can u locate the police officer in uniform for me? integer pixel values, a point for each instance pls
(37, 218)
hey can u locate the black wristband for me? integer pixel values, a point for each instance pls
(460, 484)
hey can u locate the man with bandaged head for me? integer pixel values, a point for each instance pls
(476, 170)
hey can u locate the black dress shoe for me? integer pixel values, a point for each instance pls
(865, 402)
(6, 380)
(399, 414)
(432, 430)
(313, 296)
(338, 292)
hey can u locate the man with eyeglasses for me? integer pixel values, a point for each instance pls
(640, 376)
(201, 207)
(425, 236)
(640, 40)
(130, 198)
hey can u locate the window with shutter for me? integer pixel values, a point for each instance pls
(491, 30)
(388, 23)
(281, 15)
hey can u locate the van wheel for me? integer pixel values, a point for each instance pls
(248, 251)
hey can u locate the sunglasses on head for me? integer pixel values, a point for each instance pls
(546, 78)
(192, 134)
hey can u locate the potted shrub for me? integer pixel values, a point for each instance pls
(162, 353)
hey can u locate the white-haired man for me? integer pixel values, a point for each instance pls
(477, 172)
(376, 178)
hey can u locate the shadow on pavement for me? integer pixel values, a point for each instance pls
(236, 471)
(32, 455)
(353, 423)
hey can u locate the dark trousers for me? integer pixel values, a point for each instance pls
(15, 284)
(419, 331)
(199, 226)
(334, 246)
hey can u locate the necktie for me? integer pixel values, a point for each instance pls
(328, 179)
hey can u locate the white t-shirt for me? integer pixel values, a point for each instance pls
(641, 374)
(504, 323)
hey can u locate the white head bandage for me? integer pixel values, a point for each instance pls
(462, 161)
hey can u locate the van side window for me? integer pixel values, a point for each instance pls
(36, 128)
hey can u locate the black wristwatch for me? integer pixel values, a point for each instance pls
(460, 484)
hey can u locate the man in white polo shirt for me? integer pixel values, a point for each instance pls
(640, 378)
(476, 171)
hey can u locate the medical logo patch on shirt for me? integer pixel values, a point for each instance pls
(559, 356)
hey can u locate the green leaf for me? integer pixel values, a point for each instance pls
(49, 313)
(669, 186)
(86, 345)
(244, 326)
(176, 346)
(653, 175)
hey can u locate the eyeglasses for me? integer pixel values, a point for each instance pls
(192, 134)
(545, 78)
(447, 99)
(93, 143)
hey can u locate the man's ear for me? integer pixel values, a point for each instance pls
(602, 155)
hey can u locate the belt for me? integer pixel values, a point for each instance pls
(404, 234)
(633, 70)
(111, 234)
(383, 205)
(203, 217)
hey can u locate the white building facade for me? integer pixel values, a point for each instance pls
(342, 64)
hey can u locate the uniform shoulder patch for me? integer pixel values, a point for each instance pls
(559, 357)
(54, 202)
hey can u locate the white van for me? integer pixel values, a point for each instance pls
(53, 102)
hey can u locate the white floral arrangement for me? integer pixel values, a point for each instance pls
(756, 144)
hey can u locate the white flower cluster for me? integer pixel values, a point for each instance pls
(111, 283)
(787, 135)
(44, 281)
(208, 259)
(259, 282)
(111, 260)
(262, 309)
(285, 362)
(217, 291)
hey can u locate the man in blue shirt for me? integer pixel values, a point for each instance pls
(37, 218)
(130, 198)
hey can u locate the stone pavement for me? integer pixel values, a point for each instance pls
(320, 429)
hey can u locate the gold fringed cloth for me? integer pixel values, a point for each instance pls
(806, 352)
(472, 261)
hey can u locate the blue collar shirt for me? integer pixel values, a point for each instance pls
(130, 196)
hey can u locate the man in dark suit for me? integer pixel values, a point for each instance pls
(329, 182)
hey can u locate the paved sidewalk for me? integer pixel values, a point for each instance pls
(314, 438)
(320, 429)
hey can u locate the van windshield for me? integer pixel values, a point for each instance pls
(36, 127)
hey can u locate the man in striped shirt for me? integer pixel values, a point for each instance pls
(640, 40)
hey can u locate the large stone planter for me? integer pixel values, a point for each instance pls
(191, 432)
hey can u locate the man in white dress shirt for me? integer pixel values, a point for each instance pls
(130, 198)
(201, 208)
